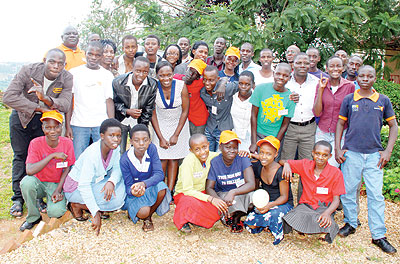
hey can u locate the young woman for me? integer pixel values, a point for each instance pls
(144, 179)
(109, 49)
(173, 55)
(199, 51)
(232, 60)
(170, 122)
(266, 74)
(269, 173)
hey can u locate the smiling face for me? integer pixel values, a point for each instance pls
(246, 52)
(343, 55)
(108, 55)
(231, 62)
(267, 154)
(140, 141)
(210, 79)
(266, 58)
(165, 76)
(366, 77)
(321, 154)
(229, 151)
(53, 65)
(245, 85)
(200, 147)
(281, 77)
(151, 46)
(200, 53)
(335, 68)
(70, 37)
(51, 129)
(172, 54)
(314, 58)
(291, 52)
(139, 72)
(301, 65)
(93, 57)
(130, 47)
(112, 137)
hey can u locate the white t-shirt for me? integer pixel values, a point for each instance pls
(334, 89)
(258, 79)
(91, 89)
(130, 121)
(241, 114)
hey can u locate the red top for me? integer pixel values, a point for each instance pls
(198, 113)
(330, 182)
(38, 150)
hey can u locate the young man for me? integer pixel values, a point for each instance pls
(247, 54)
(93, 100)
(74, 55)
(184, 44)
(355, 62)
(217, 59)
(49, 160)
(232, 59)
(94, 37)
(231, 179)
(363, 156)
(343, 55)
(323, 184)
(315, 58)
(134, 96)
(192, 204)
(37, 88)
(265, 74)
(276, 107)
(290, 53)
(151, 46)
(124, 63)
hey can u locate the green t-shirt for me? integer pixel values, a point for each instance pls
(273, 106)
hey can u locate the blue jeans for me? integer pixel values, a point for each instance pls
(213, 138)
(82, 136)
(358, 164)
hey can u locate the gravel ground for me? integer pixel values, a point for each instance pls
(121, 241)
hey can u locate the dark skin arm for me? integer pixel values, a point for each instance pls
(253, 123)
(284, 126)
(385, 155)
(68, 129)
(96, 223)
(109, 190)
(110, 108)
(57, 194)
(33, 168)
(210, 190)
(324, 219)
(247, 187)
(283, 198)
(339, 153)
(185, 112)
(38, 89)
(318, 101)
(287, 170)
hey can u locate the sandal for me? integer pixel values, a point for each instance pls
(16, 209)
(41, 205)
(227, 222)
(80, 218)
(104, 215)
(147, 225)
(237, 228)
(325, 239)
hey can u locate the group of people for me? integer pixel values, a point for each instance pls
(205, 132)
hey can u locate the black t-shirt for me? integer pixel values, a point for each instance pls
(273, 188)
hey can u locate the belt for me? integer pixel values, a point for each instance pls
(303, 123)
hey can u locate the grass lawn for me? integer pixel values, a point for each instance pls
(6, 155)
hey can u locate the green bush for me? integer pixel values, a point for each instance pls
(391, 184)
(395, 158)
(391, 90)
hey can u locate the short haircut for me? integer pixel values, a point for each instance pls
(341, 50)
(312, 48)
(356, 56)
(111, 122)
(284, 65)
(196, 45)
(184, 38)
(247, 43)
(56, 50)
(367, 67)
(334, 57)
(299, 55)
(140, 127)
(128, 37)
(106, 42)
(163, 64)
(323, 143)
(210, 68)
(155, 37)
(248, 74)
(179, 61)
(140, 58)
(95, 44)
(196, 137)
(267, 49)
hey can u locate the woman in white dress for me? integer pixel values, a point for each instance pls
(170, 121)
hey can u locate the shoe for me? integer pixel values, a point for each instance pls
(383, 244)
(346, 230)
(26, 225)
(186, 228)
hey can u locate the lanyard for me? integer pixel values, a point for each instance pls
(171, 102)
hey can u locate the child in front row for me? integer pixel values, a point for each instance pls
(322, 186)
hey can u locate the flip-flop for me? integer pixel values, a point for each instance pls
(16, 209)
(148, 226)
(78, 218)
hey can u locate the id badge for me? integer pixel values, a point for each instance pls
(239, 183)
(99, 179)
(60, 165)
(214, 110)
(283, 112)
(322, 190)
(198, 174)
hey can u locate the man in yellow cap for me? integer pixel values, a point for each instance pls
(231, 178)
(49, 160)
(232, 60)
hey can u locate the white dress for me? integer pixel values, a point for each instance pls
(168, 120)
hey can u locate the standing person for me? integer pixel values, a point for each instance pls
(123, 63)
(74, 55)
(146, 192)
(343, 55)
(169, 121)
(363, 156)
(49, 160)
(290, 53)
(151, 46)
(134, 97)
(265, 74)
(199, 51)
(328, 99)
(109, 49)
(35, 89)
(93, 37)
(315, 57)
(355, 62)
(272, 109)
(232, 58)
(92, 100)
(173, 55)
(246, 55)
(184, 44)
(231, 179)
(218, 58)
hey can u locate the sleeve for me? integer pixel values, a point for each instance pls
(116, 174)
(212, 174)
(108, 90)
(33, 153)
(338, 187)
(344, 108)
(157, 171)
(291, 106)
(297, 166)
(70, 152)
(245, 163)
(147, 110)
(254, 99)
(232, 88)
(186, 176)
(126, 173)
(64, 101)
(257, 167)
(388, 112)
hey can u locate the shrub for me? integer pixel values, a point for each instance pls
(391, 90)
(395, 158)
(391, 184)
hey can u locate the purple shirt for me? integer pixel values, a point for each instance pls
(331, 104)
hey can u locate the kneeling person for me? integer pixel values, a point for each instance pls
(49, 160)
(143, 177)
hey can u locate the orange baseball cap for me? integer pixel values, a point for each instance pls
(271, 140)
(228, 136)
(233, 51)
(198, 65)
(52, 115)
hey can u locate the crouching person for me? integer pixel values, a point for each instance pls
(144, 179)
(95, 182)
(49, 160)
(322, 186)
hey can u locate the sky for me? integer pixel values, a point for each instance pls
(28, 28)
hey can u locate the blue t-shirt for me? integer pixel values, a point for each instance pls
(234, 78)
(228, 178)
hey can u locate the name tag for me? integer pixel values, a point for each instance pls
(198, 174)
(214, 110)
(239, 183)
(283, 112)
(322, 190)
(60, 165)
(99, 179)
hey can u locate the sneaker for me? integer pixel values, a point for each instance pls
(186, 228)
(383, 244)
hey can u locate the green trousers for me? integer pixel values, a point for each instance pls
(32, 188)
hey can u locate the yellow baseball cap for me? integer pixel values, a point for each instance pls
(228, 136)
(233, 51)
(52, 115)
(271, 140)
(198, 65)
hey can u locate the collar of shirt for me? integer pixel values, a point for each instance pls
(251, 66)
(212, 61)
(141, 166)
(65, 48)
(374, 97)
(130, 83)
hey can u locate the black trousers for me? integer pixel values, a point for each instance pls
(20, 139)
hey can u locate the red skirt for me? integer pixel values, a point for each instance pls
(192, 210)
